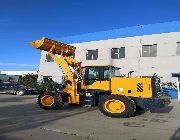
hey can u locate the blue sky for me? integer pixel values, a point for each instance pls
(22, 21)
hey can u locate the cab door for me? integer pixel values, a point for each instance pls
(94, 79)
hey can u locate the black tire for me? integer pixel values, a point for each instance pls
(58, 102)
(130, 106)
(139, 109)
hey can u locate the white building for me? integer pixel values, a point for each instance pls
(20, 73)
(14, 75)
(148, 49)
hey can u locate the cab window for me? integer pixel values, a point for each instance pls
(93, 74)
(111, 72)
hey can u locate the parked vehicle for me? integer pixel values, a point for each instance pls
(16, 89)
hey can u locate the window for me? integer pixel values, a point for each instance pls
(178, 48)
(111, 72)
(49, 58)
(118, 53)
(149, 50)
(93, 74)
(92, 54)
(46, 78)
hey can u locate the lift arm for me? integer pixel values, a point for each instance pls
(65, 62)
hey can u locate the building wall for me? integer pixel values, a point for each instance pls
(47, 69)
(164, 64)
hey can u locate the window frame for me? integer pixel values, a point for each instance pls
(119, 53)
(92, 52)
(177, 48)
(150, 50)
(49, 59)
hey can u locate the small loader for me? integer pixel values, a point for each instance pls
(98, 85)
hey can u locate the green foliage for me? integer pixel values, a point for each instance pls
(30, 80)
(169, 85)
(48, 85)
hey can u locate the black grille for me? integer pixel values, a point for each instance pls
(156, 88)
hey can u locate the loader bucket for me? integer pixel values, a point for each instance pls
(58, 47)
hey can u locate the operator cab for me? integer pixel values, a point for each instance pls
(99, 73)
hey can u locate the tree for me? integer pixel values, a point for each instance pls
(30, 80)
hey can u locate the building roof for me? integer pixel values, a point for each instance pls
(140, 30)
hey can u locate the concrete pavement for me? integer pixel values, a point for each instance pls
(21, 118)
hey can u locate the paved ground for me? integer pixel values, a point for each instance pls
(22, 119)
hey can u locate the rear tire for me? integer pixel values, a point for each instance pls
(50, 101)
(117, 106)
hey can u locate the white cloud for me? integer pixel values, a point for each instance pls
(16, 64)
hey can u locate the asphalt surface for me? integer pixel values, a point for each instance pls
(22, 119)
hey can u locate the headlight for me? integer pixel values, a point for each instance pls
(28, 89)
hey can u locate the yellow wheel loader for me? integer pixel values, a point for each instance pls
(102, 86)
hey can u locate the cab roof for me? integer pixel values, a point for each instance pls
(100, 66)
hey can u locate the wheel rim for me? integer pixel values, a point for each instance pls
(20, 93)
(114, 106)
(47, 100)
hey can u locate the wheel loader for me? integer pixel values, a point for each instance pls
(98, 85)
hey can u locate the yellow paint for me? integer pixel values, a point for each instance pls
(102, 85)
(131, 84)
(114, 106)
(46, 44)
(64, 50)
(117, 85)
(47, 100)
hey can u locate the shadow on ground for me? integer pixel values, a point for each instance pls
(14, 98)
(167, 109)
(176, 135)
(26, 116)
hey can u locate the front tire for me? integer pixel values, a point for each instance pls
(117, 106)
(50, 101)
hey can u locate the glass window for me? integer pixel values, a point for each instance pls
(93, 74)
(46, 78)
(111, 72)
(149, 50)
(178, 48)
(178, 79)
(118, 53)
(49, 58)
(92, 54)
(107, 74)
